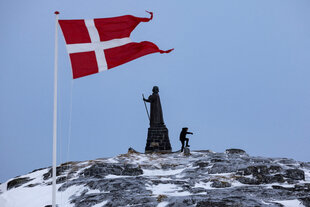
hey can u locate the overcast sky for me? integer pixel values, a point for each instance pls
(238, 78)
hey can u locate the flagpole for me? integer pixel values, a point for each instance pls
(55, 111)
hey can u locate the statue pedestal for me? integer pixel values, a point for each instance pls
(158, 140)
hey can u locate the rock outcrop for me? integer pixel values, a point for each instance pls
(201, 178)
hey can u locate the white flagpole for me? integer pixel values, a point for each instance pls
(55, 111)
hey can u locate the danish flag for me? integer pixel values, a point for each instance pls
(96, 45)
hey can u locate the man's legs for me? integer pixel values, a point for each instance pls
(187, 142)
(182, 141)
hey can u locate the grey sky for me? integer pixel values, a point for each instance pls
(238, 77)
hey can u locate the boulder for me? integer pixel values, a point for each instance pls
(232, 201)
(214, 160)
(295, 174)
(305, 187)
(17, 182)
(132, 151)
(161, 198)
(59, 170)
(216, 204)
(254, 170)
(132, 170)
(221, 168)
(201, 164)
(235, 151)
(220, 184)
(261, 179)
(187, 151)
(260, 170)
(100, 170)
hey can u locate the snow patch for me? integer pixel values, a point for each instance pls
(100, 204)
(203, 185)
(163, 204)
(3, 187)
(139, 159)
(115, 176)
(94, 191)
(237, 184)
(112, 160)
(161, 172)
(307, 175)
(290, 203)
(37, 196)
(167, 189)
(37, 174)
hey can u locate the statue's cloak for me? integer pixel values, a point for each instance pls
(156, 117)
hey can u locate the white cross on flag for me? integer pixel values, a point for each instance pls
(96, 45)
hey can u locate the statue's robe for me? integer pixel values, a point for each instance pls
(156, 117)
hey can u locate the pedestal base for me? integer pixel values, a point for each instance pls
(158, 140)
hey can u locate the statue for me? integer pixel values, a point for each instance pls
(156, 118)
(157, 137)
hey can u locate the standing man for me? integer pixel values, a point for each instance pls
(183, 137)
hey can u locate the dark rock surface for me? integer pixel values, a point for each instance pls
(202, 178)
(17, 182)
(187, 151)
(100, 170)
(295, 174)
(235, 151)
(220, 184)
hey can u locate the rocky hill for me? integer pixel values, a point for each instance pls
(203, 178)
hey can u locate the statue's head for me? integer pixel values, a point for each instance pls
(155, 89)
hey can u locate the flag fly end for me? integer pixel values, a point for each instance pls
(165, 51)
(151, 13)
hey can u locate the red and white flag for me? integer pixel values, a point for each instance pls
(96, 45)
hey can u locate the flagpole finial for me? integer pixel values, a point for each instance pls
(56, 12)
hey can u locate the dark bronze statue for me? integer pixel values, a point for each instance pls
(157, 136)
(183, 138)
(156, 117)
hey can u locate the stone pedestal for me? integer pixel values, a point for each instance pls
(158, 140)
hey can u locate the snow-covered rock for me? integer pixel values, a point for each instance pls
(203, 178)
